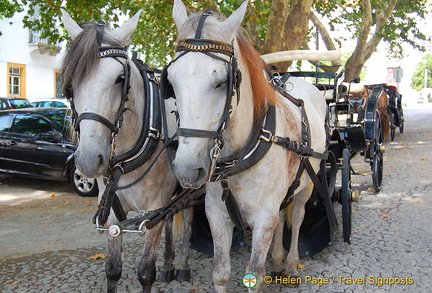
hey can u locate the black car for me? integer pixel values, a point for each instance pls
(14, 103)
(38, 142)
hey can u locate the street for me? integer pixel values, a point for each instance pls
(48, 243)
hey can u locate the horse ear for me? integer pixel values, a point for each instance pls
(179, 13)
(236, 18)
(70, 25)
(124, 33)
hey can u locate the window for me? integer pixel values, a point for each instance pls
(30, 125)
(16, 80)
(58, 84)
(3, 105)
(5, 123)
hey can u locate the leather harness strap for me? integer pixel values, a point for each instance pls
(201, 24)
(138, 155)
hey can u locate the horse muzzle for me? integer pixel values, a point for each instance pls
(90, 163)
(190, 175)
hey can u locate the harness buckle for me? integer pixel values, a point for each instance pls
(100, 229)
(265, 132)
(215, 153)
(113, 144)
(154, 133)
(224, 184)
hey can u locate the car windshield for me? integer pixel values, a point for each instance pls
(20, 103)
(63, 120)
(50, 104)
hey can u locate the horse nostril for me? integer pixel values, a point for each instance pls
(190, 176)
(101, 160)
(201, 174)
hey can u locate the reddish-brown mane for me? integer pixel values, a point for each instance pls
(263, 92)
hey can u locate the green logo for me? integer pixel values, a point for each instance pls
(249, 280)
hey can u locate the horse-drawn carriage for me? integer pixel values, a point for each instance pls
(395, 110)
(354, 127)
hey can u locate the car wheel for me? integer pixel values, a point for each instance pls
(82, 185)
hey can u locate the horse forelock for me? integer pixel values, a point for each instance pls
(82, 56)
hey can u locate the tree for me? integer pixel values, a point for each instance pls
(418, 78)
(373, 21)
(270, 25)
(9, 8)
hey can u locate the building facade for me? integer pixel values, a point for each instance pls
(29, 67)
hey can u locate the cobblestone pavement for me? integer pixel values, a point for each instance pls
(390, 250)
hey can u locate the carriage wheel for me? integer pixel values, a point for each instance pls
(378, 157)
(392, 126)
(345, 196)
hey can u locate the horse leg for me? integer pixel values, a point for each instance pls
(261, 240)
(167, 271)
(222, 232)
(297, 216)
(147, 264)
(278, 252)
(183, 270)
(113, 265)
(386, 126)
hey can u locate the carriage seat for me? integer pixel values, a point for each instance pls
(329, 90)
(354, 87)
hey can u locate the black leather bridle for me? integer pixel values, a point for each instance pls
(115, 53)
(209, 48)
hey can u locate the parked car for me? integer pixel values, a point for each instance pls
(51, 102)
(14, 103)
(38, 142)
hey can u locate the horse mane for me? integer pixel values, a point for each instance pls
(82, 56)
(263, 92)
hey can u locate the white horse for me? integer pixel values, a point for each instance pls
(222, 92)
(111, 102)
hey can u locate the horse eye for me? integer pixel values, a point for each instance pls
(120, 79)
(220, 84)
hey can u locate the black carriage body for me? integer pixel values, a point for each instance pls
(358, 133)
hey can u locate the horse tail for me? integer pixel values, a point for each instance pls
(178, 224)
(384, 116)
(288, 212)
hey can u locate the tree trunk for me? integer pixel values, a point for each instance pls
(328, 42)
(288, 27)
(365, 48)
(274, 40)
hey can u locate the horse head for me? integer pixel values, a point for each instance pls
(97, 76)
(203, 74)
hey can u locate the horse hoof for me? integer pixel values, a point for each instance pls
(166, 276)
(183, 275)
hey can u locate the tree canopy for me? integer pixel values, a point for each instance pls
(9, 8)
(423, 68)
(270, 25)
